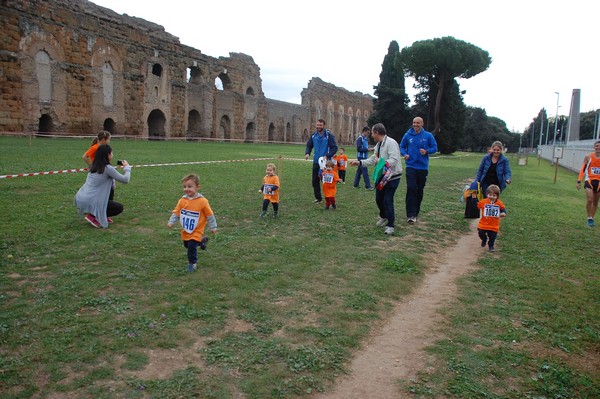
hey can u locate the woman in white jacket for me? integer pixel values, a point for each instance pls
(387, 149)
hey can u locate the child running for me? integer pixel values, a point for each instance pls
(103, 137)
(342, 162)
(270, 191)
(193, 212)
(329, 179)
(492, 210)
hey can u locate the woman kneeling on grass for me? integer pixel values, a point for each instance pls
(93, 197)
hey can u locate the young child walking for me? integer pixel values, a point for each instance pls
(270, 191)
(492, 210)
(342, 162)
(329, 180)
(193, 212)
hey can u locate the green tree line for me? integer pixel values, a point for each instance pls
(435, 65)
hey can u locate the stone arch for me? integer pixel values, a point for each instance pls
(318, 107)
(305, 135)
(45, 124)
(108, 85)
(157, 69)
(272, 132)
(194, 75)
(341, 118)
(288, 132)
(109, 125)
(351, 126)
(225, 127)
(225, 80)
(250, 91)
(194, 123)
(250, 132)
(330, 115)
(156, 125)
(44, 76)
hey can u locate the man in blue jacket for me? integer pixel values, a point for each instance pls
(362, 153)
(415, 147)
(323, 142)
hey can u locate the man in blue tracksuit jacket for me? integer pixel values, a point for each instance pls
(362, 152)
(323, 142)
(415, 147)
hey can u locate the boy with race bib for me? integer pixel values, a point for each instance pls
(193, 212)
(329, 178)
(492, 210)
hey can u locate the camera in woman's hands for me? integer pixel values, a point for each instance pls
(120, 162)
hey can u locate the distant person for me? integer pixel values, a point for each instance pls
(415, 147)
(324, 145)
(342, 163)
(93, 197)
(590, 175)
(362, 152)
(193, 213)
(385, 152)
(492, 210)
(494, 168)
(103, 137)
(270, 191)
(330, 180)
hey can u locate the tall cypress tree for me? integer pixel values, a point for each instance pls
(391, 101)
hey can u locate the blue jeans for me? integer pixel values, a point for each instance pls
(192, 250)
(364, 172)
(385, 201)
(415, 184)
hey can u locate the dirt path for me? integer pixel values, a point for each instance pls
(396, 352)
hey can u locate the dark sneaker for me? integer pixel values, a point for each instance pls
(590, 222)
(203, 243)
(263, 214)
(483, 242)
(492, 249)
(275, 214)
(92, 219)
(191, 267)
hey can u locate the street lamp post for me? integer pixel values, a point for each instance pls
(556, 117)
(541, 131)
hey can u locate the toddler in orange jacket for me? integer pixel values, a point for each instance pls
(492, 210)
(329, 180)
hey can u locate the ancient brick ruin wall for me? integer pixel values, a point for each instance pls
(109, 71)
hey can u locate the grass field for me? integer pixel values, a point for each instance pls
(278, 306)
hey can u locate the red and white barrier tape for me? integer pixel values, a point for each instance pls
(56, 172)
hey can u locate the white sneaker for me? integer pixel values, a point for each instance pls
(381, 222)
(389, 230)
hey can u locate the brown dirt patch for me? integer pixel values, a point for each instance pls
(396, 352)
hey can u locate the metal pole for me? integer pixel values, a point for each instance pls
(532, 132)
(541, 130)
(555, 125)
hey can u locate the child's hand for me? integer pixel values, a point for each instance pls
(502, 215)
(214, 231)
(260, 191)
(169, 225)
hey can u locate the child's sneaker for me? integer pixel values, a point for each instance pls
(263, 214)
(92, 219)
(590, 222)
(492, 249)
(275, 214)
(203, 243)
(483, 241)
(191, 267)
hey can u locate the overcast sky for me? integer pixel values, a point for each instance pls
(537, 47)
